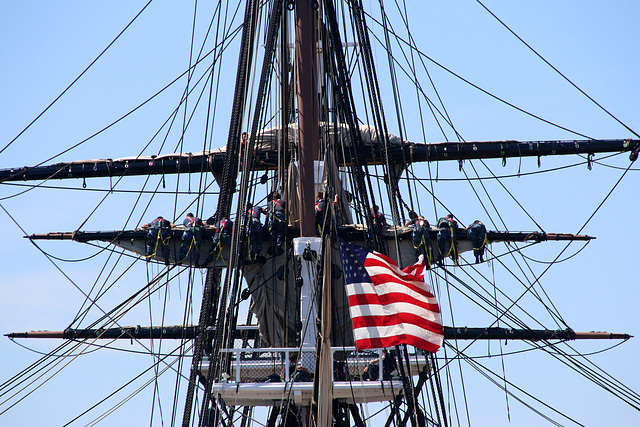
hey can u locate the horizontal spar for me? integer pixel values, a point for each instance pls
(251, 332)
(346, 232)
(135, 241)
(400, 153)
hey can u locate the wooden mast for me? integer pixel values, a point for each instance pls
(308, 119)
(308, 125)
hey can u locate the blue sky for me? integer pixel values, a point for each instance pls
(45, 45)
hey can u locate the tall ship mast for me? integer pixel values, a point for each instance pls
(335, 271)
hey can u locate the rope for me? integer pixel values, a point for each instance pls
(557, 71)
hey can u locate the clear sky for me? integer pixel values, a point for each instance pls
(45, 45)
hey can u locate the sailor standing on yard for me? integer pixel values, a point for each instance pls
(159, 232)
(221, 236)
(447, 236)
(191, 239)
(277, 209)
(477, 232)
(421, 238)
(255, 230)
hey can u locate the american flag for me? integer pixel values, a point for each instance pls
(389, 306)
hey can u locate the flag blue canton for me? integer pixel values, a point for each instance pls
(353, 263)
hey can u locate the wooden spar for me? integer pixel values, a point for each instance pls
(214, 161)
(343, 232)
(250, 332)
(320, 410)
(308, 119)
(135, 241)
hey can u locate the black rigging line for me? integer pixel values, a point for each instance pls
(80, 316)
(557, 71)
(478, 87)
(37, 366)
(549, 346)
(614, 167)
(490, 198)
(346, 104)
(127, 384)
(378, 108)
(464, 389)
(130, 112)
(111, 346)
(55, 265)
(224, 207)
(499, 307)
(504, 373)
(79, 76)
(103, 190)
(557, 261)
(486, 371)
(413, 70)
(606, 381)
(148, 288)
(494, 177)
(120, 178)
(568, 244)
(41, 372)
(555, 313)
(402, 123)
(52, 354)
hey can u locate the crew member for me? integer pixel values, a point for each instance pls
(221, 236)
(477, 232)
(159, 232)
(372, 370)
(421, 239)
(256, 233)
(448, 237)
(277, 209)
(378, 217)
(191, 239)
(243, 144)
(321, 207)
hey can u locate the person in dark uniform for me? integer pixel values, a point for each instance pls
(321, 208)
(191, 239)
(159, 232)
(255, 230)
(477, 232)
(421, 239)
(221, 236)
(378, 217)
(447, 236)
(372, 370)
(277, 209)
(243, 144)
(223, 230)
(379, 224)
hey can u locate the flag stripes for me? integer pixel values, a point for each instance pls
(389, 306)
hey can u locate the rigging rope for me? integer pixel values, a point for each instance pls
(79, 76)
(557, 71)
